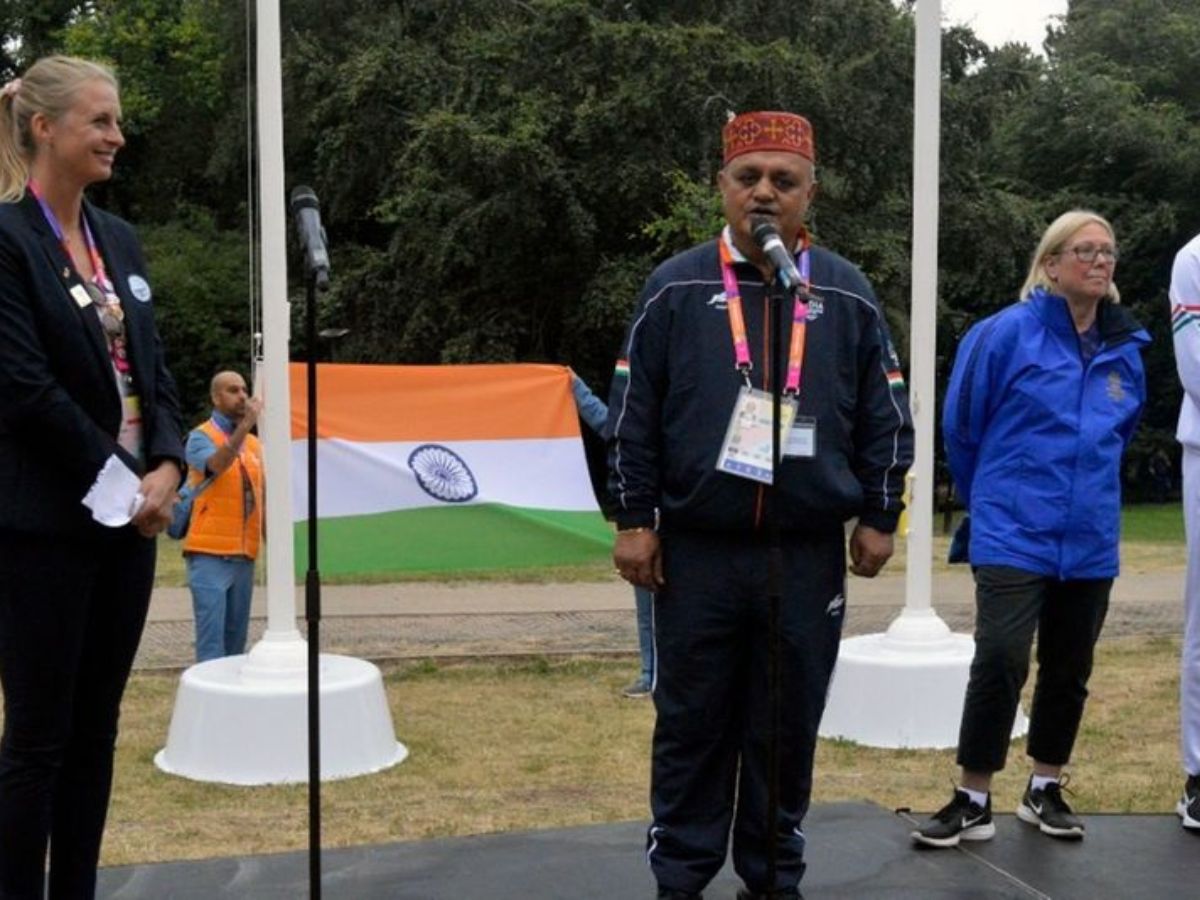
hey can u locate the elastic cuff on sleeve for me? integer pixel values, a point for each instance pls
(881, 520)
(636, 519)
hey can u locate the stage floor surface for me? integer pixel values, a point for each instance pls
(856, 850)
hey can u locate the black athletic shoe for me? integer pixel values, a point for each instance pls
(962, 819)
(1189, 805)
(1047, 809)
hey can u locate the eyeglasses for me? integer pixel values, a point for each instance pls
(1088, 252)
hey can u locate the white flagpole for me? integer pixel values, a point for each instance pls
(905, 688)
(918, 619)
(243, 719)
(281, 650)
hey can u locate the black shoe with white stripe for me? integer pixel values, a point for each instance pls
(962, 819)
(1189, 805)
(1046, 808)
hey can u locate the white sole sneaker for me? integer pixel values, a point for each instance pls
(974, 833)
(1028, 815)
(1181, 809)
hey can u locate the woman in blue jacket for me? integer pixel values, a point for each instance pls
(1044, 398)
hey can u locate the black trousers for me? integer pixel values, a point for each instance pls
(71, 615)
(709, 766)
(1010, 605)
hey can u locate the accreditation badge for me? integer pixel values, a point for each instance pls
(801, 440)
(746, 451)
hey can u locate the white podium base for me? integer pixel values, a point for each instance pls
(903, 689)
(234, 727)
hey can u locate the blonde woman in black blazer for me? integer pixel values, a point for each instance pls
(84, 390)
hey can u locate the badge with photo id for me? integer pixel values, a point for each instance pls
(746, 451)
(801, 440)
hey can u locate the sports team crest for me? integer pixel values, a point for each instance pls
(1116, 390)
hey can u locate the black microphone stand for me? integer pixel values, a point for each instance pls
(312, 592)
(777, 298)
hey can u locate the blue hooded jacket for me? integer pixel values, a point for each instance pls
(1034, 436)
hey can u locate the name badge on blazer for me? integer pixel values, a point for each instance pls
(80, 296)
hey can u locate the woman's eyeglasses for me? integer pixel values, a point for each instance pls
(1088, 252)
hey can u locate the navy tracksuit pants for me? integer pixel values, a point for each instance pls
(709, 767)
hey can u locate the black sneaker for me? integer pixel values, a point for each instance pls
(1189, 805)
(1047, 809)
(962, 819)
(637, 690)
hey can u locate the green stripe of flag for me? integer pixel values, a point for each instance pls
(455, 539)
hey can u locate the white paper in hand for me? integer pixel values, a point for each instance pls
(114, 497)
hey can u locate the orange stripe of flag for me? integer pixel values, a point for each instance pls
(436, 403)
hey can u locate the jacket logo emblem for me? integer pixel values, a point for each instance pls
(816, 306)
(717, 301)
(1116, 390)
(836, 605)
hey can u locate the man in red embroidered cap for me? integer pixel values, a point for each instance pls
(689, 460)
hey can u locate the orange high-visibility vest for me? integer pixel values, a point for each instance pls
(219, 525)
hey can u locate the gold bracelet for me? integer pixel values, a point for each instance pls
(638, 530)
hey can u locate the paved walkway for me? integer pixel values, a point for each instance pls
(417, 620)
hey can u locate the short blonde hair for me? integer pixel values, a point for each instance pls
(1054, 239)
(48, 87)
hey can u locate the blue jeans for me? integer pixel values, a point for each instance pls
(645, 621)
(221, 588)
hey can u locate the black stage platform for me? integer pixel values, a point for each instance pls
(856, 850)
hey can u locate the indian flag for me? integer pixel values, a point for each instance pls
(444, 468)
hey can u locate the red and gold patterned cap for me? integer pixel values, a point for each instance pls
(755, 131)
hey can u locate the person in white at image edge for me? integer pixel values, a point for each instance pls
(1185, 322)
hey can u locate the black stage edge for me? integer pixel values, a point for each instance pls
(856, 850)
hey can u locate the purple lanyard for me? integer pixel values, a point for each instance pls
(100, 276)
(112, 305)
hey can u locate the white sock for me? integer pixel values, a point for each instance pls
(1040, 781)
(978, 797)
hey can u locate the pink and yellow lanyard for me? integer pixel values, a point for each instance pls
(116, 344)
(737, 322)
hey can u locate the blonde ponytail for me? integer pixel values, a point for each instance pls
(47, 87)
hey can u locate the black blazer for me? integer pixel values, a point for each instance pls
(60, 411)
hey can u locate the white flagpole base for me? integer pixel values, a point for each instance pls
(904, 688)
(238, 722)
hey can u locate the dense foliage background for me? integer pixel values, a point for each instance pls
(498, 176)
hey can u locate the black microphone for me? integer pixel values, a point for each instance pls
(312, 236)
(766, 235)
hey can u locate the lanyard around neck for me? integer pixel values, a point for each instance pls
(112, 317)
(737, 322)
(100, 276)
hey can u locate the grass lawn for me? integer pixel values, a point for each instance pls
(1156, 523)
(504, 746)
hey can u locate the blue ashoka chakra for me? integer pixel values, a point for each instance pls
(442, 473)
